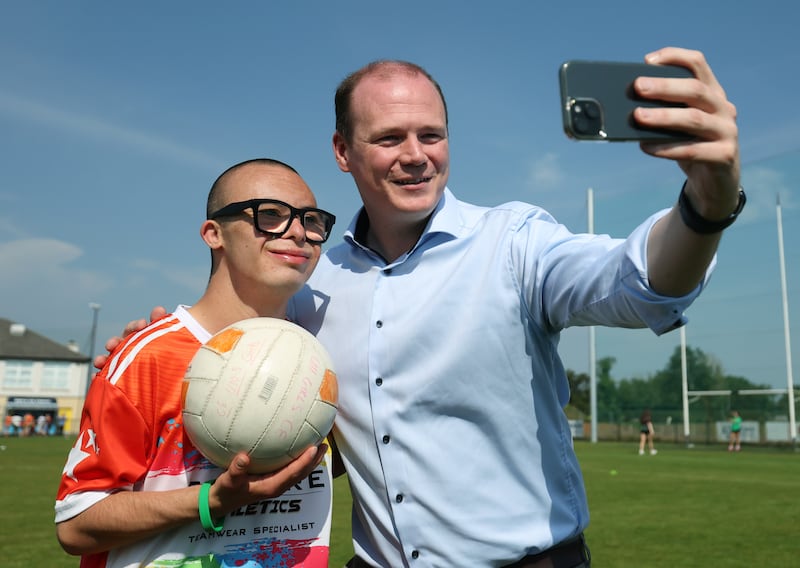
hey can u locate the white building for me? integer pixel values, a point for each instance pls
(39, 376)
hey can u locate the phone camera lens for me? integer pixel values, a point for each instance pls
(586, 117)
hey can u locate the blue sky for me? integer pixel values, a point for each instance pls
(117, 117)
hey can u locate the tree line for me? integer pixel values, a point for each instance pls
(620, 401)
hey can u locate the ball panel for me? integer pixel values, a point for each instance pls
(307, 436)
(321, 416)
(329, 389)
(242, 397)
(201, 380)
(214, 451)
(225, 340)
(278, 437)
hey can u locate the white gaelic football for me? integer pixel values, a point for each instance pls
(264, 386)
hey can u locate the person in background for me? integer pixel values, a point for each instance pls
(646, 432)
(41, 425)
(735, 443)
(28, 424)
(443, 319)
(16, 425)
(134, 490)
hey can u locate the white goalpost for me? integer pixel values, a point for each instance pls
(791, 433)
(773, 429)
(789, 390)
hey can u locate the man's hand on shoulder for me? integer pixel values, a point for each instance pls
(132, 327)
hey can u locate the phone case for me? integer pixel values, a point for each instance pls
(597, 100)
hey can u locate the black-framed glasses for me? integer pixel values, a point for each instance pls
(274, 217)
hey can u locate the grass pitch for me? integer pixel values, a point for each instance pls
(683, 507)
(691, 507)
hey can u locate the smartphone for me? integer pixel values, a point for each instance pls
(597, 100)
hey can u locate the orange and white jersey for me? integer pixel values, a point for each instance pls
(132, 439)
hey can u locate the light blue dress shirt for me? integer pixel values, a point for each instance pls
(451, 388)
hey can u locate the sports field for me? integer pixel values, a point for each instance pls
(682, 507)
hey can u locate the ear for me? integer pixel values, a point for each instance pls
(211, 233)
(340, 152)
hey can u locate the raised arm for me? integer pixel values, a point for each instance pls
(683, 243)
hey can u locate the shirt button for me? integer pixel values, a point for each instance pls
(379, 324)
(379, 381)
(415, 554)
(386, 439)
(399, 498)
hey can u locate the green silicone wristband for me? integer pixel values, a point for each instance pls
(205, 512)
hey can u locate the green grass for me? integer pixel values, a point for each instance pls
(682, 507)
(341, 544)
(30, 469)
(691, 507)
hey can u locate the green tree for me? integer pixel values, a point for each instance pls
(624, 400)
(703, 373)
(634, 396)
(760, 407)
(607, 397)
(579, 392)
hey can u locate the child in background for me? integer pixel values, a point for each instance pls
(735, 443)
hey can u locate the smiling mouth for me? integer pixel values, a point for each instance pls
(291, 253)
(414, 181)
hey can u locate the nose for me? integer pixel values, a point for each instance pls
(413, 153)
(296, 230)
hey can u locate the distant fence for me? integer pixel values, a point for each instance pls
(753, 432)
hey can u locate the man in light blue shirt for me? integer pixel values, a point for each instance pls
(443, 319)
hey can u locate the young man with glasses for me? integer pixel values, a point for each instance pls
(134, 490)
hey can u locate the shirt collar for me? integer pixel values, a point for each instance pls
(445, 220)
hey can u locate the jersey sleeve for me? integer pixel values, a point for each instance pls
(111, 451)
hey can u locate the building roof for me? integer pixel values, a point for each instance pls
(19, 342)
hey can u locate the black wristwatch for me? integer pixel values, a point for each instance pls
(698, 223)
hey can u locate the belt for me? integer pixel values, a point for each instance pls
(572, 553)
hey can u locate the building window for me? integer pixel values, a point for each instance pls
(18, 375)
(55, 376)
